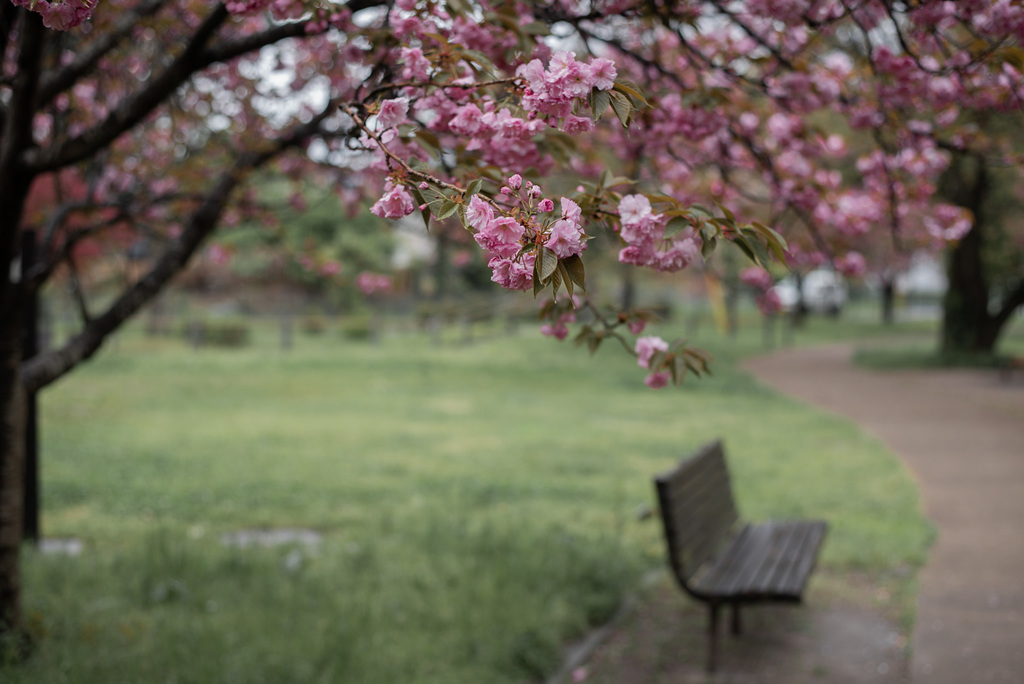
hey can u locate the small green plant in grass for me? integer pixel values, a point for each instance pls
(217, 332)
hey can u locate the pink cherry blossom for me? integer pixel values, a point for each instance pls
(632, 208)
(852, 265)
(564, 239)
(396, 203)
(768, 303)
(60, 15)
(373, 283)
(678, 256)
(512, 274)
(393, 112)
(603, 73)
(658, 380)
(646, 347)
(417, 66)
(479, 213)
(757, 277)
(637, 325)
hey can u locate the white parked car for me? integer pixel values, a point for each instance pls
(824, 292)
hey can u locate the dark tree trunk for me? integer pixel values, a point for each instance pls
(30, 347)
(12, 406)
(12, 471)
(967, 324)
(15, 134)
(888, 300)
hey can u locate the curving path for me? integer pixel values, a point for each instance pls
(961, 433)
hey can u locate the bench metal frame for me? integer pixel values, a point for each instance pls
(721, 561)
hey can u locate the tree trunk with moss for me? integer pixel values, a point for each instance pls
(974, 313)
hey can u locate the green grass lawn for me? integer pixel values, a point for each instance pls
(477, 503)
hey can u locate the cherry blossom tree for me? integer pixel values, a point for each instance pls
(798, 131)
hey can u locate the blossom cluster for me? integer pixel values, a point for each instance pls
(645, 349)
(373, 283)
(512, 233)
(60, 15)
(553, 91)
(647, 243)
(395, 203)
(503, 132)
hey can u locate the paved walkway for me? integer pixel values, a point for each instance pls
(961, 433)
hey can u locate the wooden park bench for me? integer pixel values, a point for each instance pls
(721, 561)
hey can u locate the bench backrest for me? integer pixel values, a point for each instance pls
(697, 509)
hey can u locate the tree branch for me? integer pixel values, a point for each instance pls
(45, 368)
(1013, 301)
(134, 109)
(87, 60)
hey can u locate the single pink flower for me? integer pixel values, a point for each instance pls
(646, 347)
(396, 203)
(393, 112)
(633, 208)
(564, 239)
(658, 380)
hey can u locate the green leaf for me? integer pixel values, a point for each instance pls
(577, 273)
(546, 264)
(556, 282)
(758, 246)
(678, 370)
(563, 275)
(776, 243)
(631, 89)
(725, 212)
(676, 225)
(448, 207)
(474, 187)
(744, 247)
(622, 107)
(420, 202)
(478, 57)
(428, 139)
(708, 246)
(599, 102)
(458, 7)
(537, 28)
(619, 180)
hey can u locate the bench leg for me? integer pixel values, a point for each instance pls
(712, 636)
(736, 624)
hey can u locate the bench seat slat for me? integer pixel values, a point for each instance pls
(744, 562)
(771, 560)
(800, 571)
(791, 545)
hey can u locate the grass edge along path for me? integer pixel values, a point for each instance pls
(477, 505)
